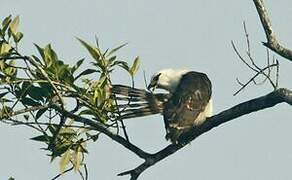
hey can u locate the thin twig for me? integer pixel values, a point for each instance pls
(17, 122)
(81, 174)
(22, 111)
(60, 174)
(277, 74)
(253, 66)
(241, 58)
(145, 79)
(86, 171)
(247, 38)
(11, 121)
(252, 79)
(119, 115)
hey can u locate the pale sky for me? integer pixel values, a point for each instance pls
(165, 33)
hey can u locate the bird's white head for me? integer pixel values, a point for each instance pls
(166, 79)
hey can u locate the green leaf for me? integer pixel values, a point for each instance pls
(6, 100)
(3, 94)
(4, 49)
(37, 93)
(135, 66)
(61, 71)
(26, 85)
(17, 37)
(26, 117)
(83, 147)
(37, 59)
(2, 64)
(13, 26)
(93, 137)
(53, 128)
(87, 112)
(20, 93)
(77, 65)
(67, 132)
(29, 102)
(40, 113)
(5, 111)
(11, 71)
(122, 64)
(40, 50)
(94, 52)
(47, 89)
(77, 158)
(65, 161)
(5, 23)
(116, 49)
(50, 55)
(60, 149)
(42, 138)
(86, 72)
(112, 59)
(6, 20)
(103, 80)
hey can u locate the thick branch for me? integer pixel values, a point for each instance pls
(272, 43)
(267, 101)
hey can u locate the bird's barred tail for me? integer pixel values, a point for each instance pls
(133, 102)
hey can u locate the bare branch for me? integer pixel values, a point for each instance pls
(251, 64)
(241, 58)
(260, 103)
(253, 78)
(277, 73)
(272, 43)
(86, 171)
(57, 176)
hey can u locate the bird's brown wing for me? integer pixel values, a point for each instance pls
(185, 106)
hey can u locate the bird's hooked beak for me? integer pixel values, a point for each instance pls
(152, 86)
(154, 82)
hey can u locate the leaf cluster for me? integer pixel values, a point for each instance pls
(42, 87)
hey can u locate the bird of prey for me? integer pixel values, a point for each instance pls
(187, 104)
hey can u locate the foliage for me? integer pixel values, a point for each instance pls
(42, 87)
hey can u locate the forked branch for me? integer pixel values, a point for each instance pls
(272, 41)
(255, 68)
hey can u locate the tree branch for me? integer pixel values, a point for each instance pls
(272, 43)
(105, 130)
(260, 103)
